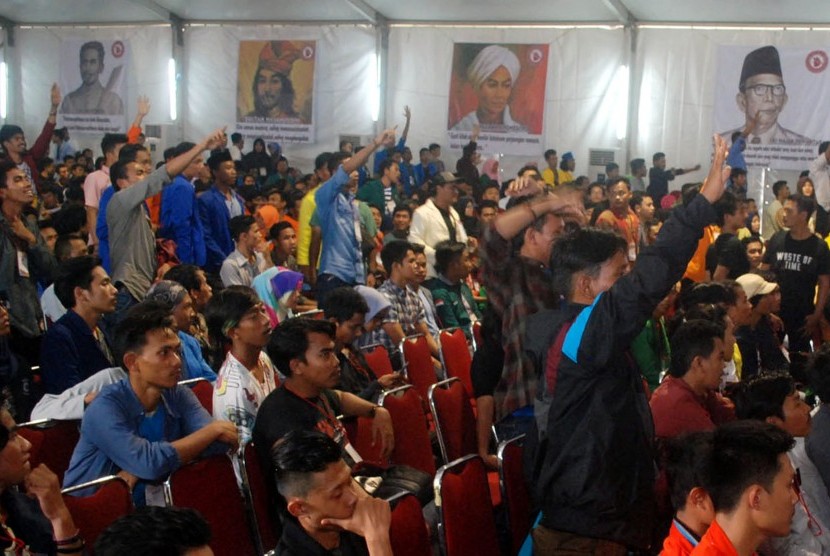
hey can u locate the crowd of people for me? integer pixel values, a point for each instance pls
(657, 345)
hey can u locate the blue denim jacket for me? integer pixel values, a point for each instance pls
(337, 213)
(110, 442)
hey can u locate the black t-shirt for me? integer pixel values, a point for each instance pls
(797, 265)
(727, 251)
(296, 542)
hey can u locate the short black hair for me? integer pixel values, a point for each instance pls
(803, 203)
(336, 159)
(818, 372)
(637, 199)
(276, 229)
(118, 171)
(322, 161)
(240, 225)
(341, 304)
(187, 275)
(692, 339)
(111, 140)
(687, 464)
(131, 332)
(129, 153)
(298, 455)
(611, 166)
(394, 252)
(584, 250)
(289, 340)
(385, 165)
(735, 135)
(763, 396)
(154, 531)
(735, 172)
(236, 137)
(74, 273)
(402, 208)
(657, 156)
(709, 292)
(823, 146)
(637, 163)
(487, 203)
(744, 453)
(433, 146)
(549, 153)
(226, 308)
(63, 245)
(70, 219)
(727, 204)
(446, 252)
(182, 148)
(778, 186)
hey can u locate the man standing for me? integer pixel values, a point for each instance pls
(425, 169)
(246, 262)
(774, 213)
(92, 97)
(726, 258)
(179, 214)
(63, 147)
(638, 174)
(659, 177)
(620, 217)
(801, 261)
(436, 220)
(453, 298)
(75, 348)
(383, 193)
(96, 182)
(217, 206)
(643, 207)
(237, 144)
(820, 174)
(551, 174)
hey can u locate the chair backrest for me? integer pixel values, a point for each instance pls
(266, 524)
(412, 444)
(52, 442)
(454, 420)
(209, 486)
(467, 525)
(408, 531)
(514, 491)
(92, 514)
(364, 443)
(378, 359)
(455, 356)
(203, 388)
(418, 363)
(477, 338)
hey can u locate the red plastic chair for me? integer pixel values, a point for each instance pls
(467, 525)
(477, 338)
(408, 530)
(363, 442)
(455, 356)
(378, 359)
(267, 527)
(456, 426)
(514, 491)
(418, 363)
(203, 388)
(209, 486)
(92, 514)
(52, 442)
(412, 444)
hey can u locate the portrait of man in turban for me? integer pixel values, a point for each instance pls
(492, 75)
(273, 91)
(762, 95)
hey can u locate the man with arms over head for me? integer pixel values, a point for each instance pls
(96, 182)
(75, 348)
(92, 97)
(594, 453)
(801, 261)
(761, 97)
(145, 426)
(325, 513)
(179, 214)
(752, 485)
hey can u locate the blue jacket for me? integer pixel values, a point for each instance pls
(193, 362)
(180, 221)
(110, 441)
(102, 232)
(214, 216)
(420, 175)
(69, 354)
(337, 213)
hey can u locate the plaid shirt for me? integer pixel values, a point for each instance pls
(516, 287)
(406, 309)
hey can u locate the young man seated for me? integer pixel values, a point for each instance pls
(453, 298)
(152, 530)
(687, 465)
(688, 401)
(772, 397)
(326, 512)
(347, 309)
(145, 426)
(304, 351)
(752, 485)
(74, 348)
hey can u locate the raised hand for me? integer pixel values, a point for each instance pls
(715, 183)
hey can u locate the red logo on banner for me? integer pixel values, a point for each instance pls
(535, 55)
(308, 53)
(117, 49)
(816, 61)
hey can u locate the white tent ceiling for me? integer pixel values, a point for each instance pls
(747, 12)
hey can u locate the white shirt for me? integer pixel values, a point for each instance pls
(820, 174)
(52, 307)
(428, 228)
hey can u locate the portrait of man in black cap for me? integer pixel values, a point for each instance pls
(761, 97)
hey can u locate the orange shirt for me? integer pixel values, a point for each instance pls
(680, 541)
(696, 269)
(715, 543)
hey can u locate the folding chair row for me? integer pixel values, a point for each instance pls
(92, 514)
(52, 441)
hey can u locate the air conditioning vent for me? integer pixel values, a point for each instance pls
(601, 157)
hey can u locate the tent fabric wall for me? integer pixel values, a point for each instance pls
(343, 81)
(581, 99)
(36, 58)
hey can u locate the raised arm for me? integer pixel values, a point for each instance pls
(408, 115)
(359, 159)
(141, 112)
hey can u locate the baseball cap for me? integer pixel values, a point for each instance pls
(754, 284)
(444, 178)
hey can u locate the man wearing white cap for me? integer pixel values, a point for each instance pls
(757, 341)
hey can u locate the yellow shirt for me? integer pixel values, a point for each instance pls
(564, 176)
(307, 208)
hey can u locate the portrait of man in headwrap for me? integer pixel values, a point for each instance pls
(762, 96)
(492, 75)
(272, 89)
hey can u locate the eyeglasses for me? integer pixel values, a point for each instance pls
(812, 524)
(762, 89)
